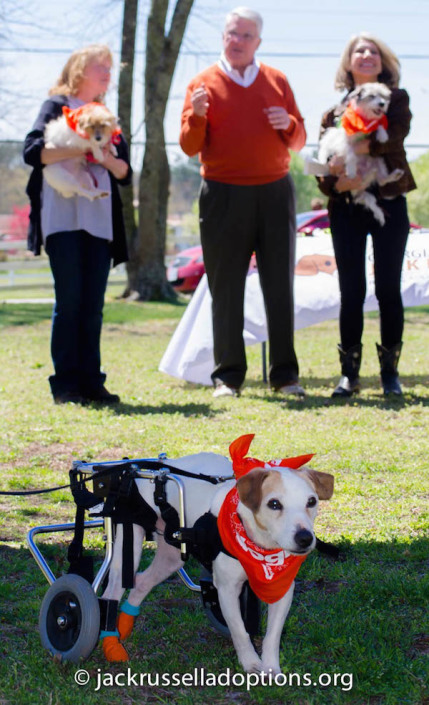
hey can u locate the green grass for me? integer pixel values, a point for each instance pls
(365, 614)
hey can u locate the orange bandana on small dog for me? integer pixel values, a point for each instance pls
(270, 572)
(353, 122)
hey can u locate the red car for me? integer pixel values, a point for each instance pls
(186, 270)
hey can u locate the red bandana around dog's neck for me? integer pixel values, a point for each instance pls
(270, 572)
(353, 122)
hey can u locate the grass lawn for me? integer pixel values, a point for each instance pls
(366, 615)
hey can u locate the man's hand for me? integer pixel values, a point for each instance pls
(200, 101)
(278, 117)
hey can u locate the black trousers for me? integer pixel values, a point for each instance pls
(236, 221)
(80, 266)
(350, 225)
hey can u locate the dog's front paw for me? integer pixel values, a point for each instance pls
(271, 667)
(251, 663)
(396, 174)
(382, 135)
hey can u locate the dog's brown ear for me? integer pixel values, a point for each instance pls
(323, 482)
(249, 488)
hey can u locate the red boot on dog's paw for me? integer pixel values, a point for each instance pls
(113, 649)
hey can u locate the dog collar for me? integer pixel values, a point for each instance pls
(270, 573)
(352, 122)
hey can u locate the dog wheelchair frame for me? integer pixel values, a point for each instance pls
(69, 619)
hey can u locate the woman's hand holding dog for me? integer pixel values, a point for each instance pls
(117, 167)
(52, 155)
(337, 168)
(336, 165)
(344, 183)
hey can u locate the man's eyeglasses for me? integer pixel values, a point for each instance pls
(237, 36)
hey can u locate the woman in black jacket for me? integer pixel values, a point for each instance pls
(366, 60)
(81, 237)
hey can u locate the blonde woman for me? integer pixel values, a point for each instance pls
(81, 237)
(367, 59)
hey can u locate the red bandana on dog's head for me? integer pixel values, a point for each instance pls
(241, 465)
(270, 572)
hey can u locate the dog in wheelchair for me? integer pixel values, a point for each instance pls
(265, 519)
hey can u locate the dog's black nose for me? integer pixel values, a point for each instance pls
(303, 538)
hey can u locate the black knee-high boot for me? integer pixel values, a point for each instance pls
(350, 365)
(389, 368)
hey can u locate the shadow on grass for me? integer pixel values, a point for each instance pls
(187, 410)
(410, 557)
(369, 386)
(363, 615)
(27, 314)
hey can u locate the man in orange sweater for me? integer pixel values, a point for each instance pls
(242, 119)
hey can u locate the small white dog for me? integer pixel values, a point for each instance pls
(265, 521)
(365, 113)
(90, 127)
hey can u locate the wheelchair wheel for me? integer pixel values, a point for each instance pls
(69, 620)
(250, 606)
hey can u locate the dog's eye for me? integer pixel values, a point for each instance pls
(312, 502)
(275, 504)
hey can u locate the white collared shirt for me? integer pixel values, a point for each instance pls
(250, 72)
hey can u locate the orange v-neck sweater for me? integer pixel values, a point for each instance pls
(235, 141)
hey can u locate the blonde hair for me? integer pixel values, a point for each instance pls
(390, 73)
(70, 79)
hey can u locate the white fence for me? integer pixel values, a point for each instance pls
(30, 272)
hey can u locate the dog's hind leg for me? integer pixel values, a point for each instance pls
(166, 562)
(368, 200)
(277, 613)
(110, 634)
(228, 578)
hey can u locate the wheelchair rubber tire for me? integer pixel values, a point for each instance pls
(250, 607)
(69, 619)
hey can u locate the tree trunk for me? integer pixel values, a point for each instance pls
(125, 102)
(146, 270)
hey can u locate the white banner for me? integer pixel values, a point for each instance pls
(189, 355)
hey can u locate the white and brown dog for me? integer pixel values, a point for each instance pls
(90, 128)
(265, 521)
(365, 114)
